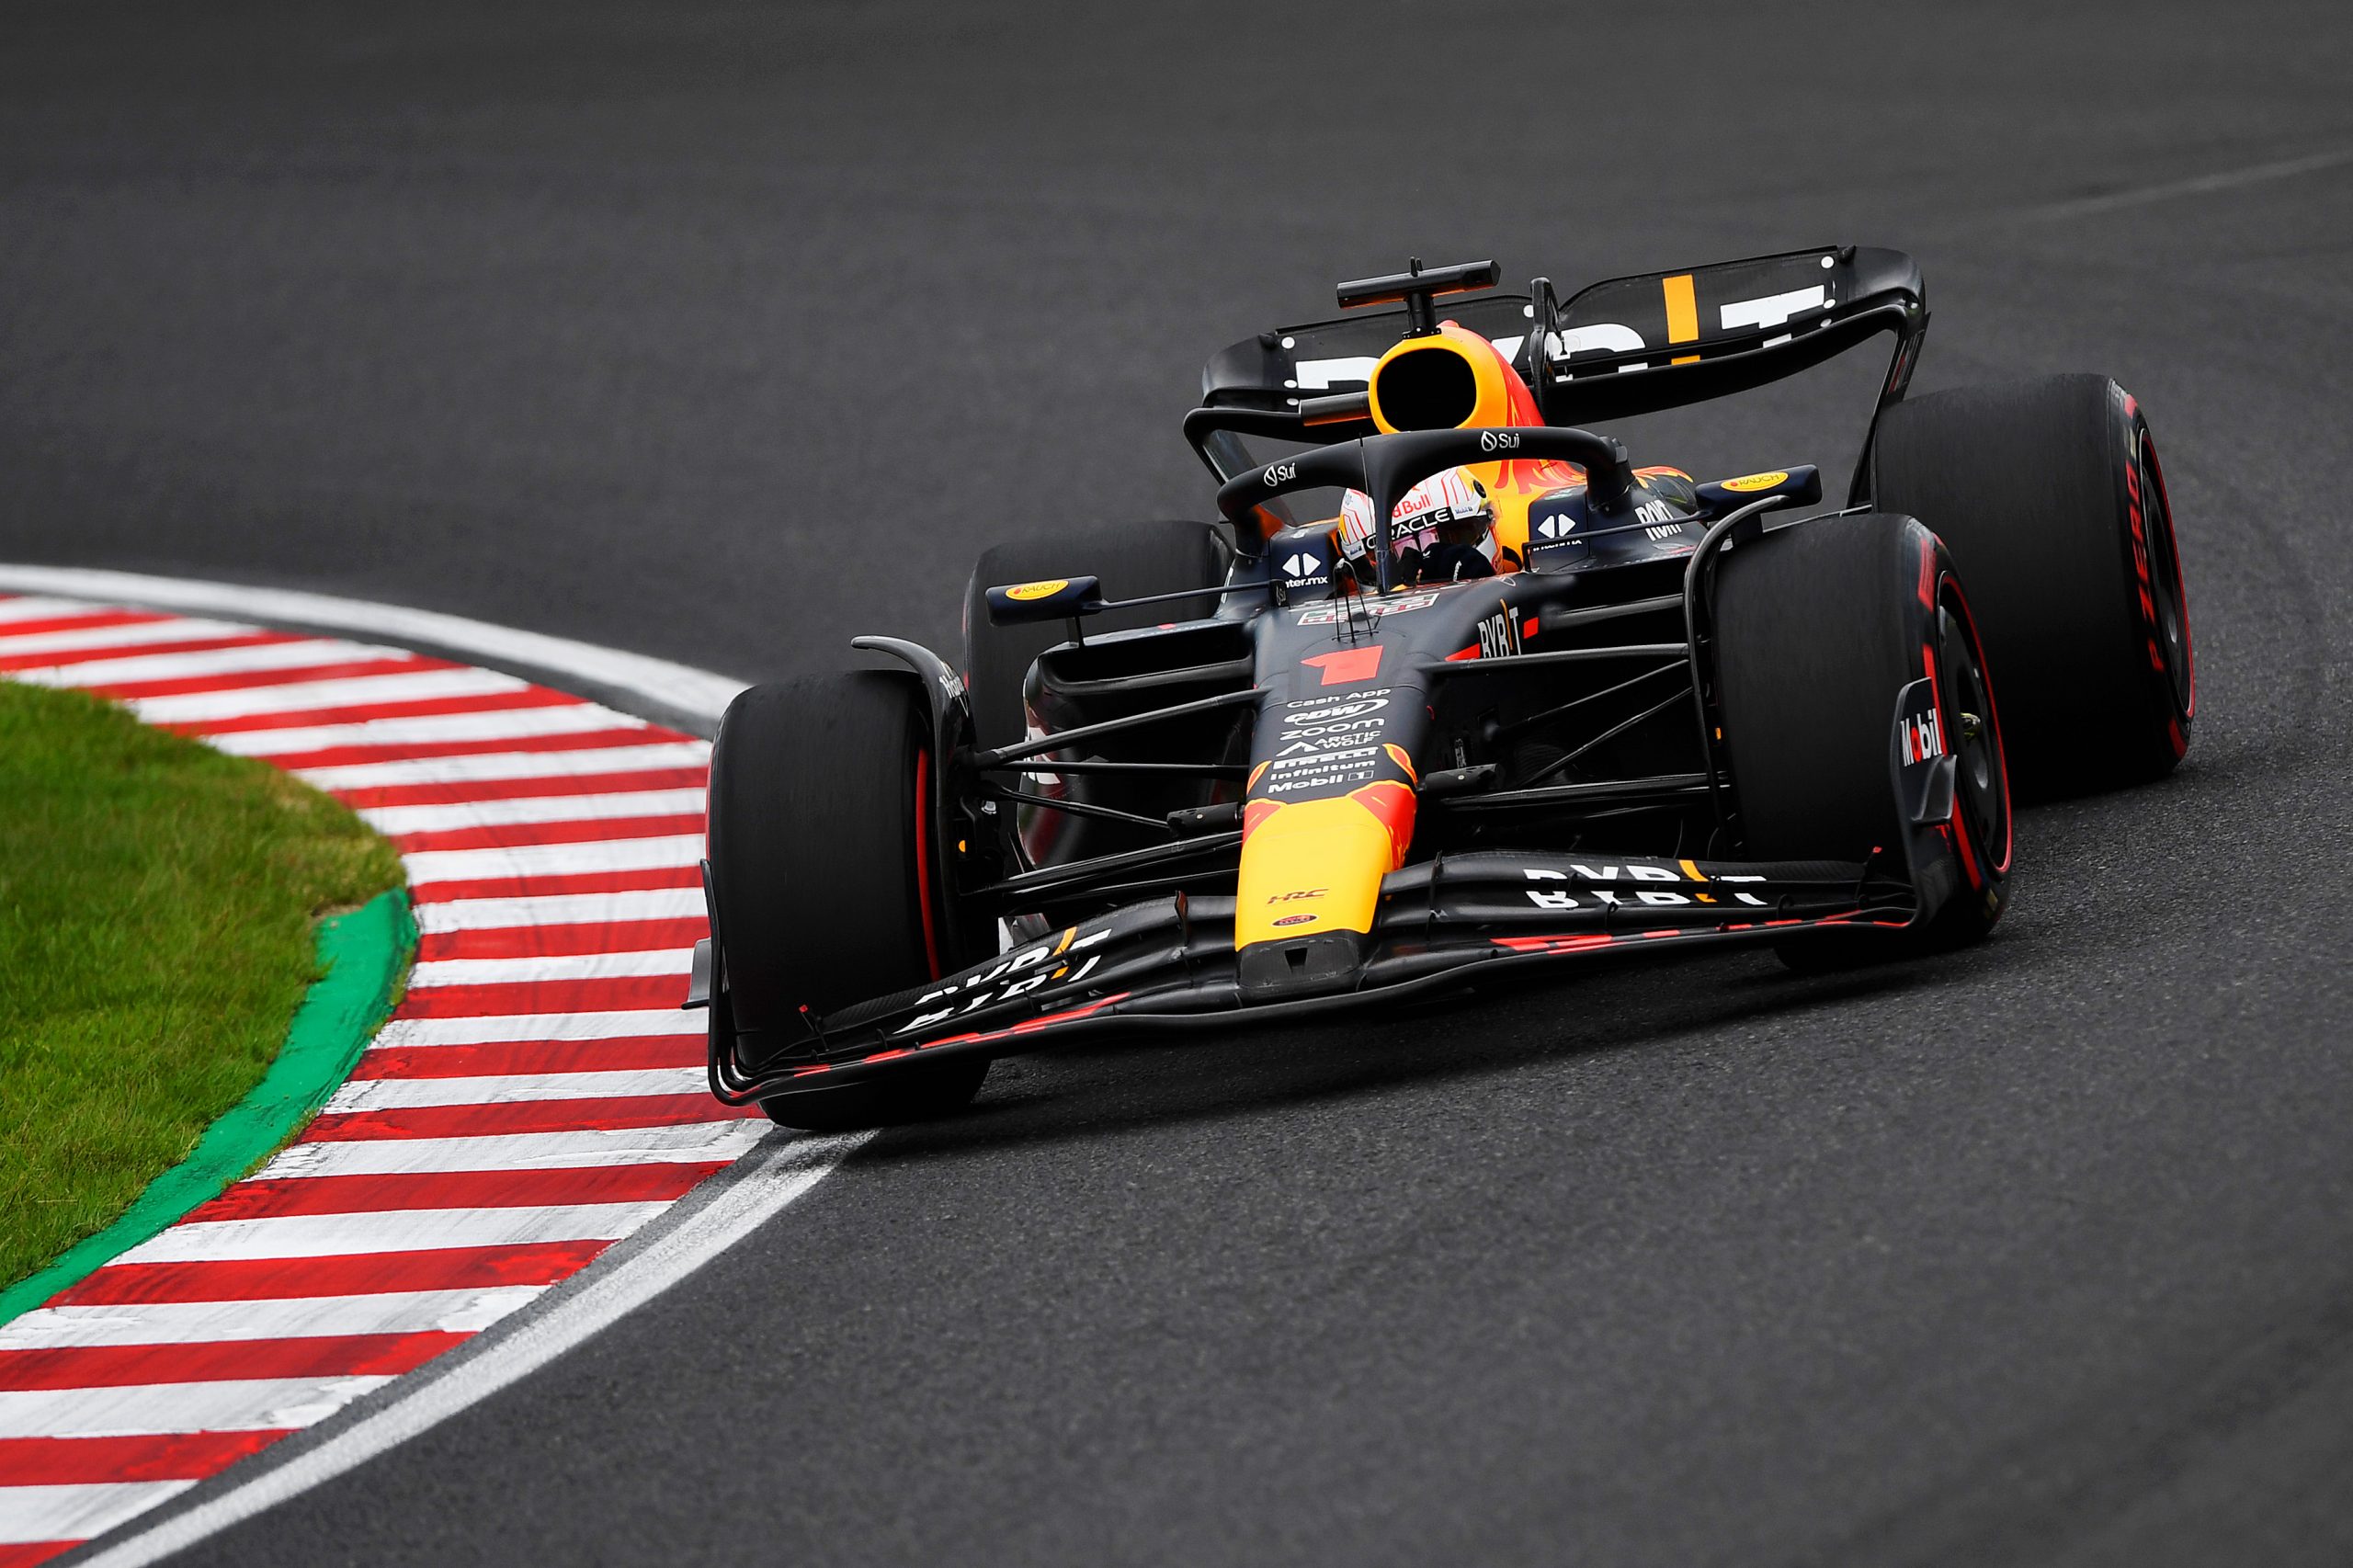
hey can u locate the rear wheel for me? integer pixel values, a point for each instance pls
(1819, 627)
(824, 888)
(1132, 560)
(2049, 497)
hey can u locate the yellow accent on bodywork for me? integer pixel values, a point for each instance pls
(1682, 313)
(1336, 846)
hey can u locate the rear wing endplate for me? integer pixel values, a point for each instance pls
(1660, 340)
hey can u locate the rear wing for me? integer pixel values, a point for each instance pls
(1663, 339)
(1626, 347)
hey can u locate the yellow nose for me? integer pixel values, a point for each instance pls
(1315, 866)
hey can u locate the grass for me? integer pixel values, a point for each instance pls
(157, 910)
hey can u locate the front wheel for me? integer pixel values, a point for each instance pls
(825, 889)
(1820, 627)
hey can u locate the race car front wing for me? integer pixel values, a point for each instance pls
(1171, 963)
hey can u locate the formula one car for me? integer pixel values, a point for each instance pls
(1500, 699)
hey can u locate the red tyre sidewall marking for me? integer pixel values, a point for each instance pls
(2148, 448)
(2140, 442)
(1949, 583)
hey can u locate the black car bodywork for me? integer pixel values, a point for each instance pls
(1543, 747)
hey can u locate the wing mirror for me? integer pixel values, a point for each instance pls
(1802, 484)
(1056, 598)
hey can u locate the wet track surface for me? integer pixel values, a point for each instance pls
(727, 335)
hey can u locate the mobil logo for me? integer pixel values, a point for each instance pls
(1921, 738)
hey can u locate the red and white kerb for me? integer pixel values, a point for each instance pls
(537, 1097)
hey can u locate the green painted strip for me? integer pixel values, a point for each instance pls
(363, 955)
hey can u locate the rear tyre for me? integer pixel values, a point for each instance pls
(1818, 628)
(1132, 560)
(2049, 497)
(823, 882)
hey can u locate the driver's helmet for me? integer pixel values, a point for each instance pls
(1445, 526)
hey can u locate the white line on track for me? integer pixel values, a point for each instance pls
(2201, 185)
(773, 1174)
(656, 681)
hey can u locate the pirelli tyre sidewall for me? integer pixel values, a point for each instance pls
(2049, 495)
(823, 889)
(1820, 627)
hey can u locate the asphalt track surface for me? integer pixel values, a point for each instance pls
(726, 335)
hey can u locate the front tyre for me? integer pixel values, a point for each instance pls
(824, 888)
(1819, 627)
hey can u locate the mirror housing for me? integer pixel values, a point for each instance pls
(1801, 483)
(1056, 598)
